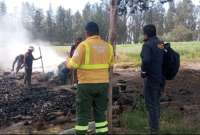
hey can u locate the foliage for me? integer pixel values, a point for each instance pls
(63, 25)
(179, 33)
(171, 122)
(3, 8)
(130, 53)
(131, 6)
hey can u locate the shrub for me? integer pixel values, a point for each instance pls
(178, 34)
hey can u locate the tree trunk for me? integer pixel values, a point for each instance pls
(113, 23)
(112, 39)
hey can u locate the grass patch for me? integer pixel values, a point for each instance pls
(61, 50)
(130, 53)
(172, 121)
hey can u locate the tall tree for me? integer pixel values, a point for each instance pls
(27, 16)
(170, 17)
(121, 30)
(134, 26)
(78, 27)
(156, 16)
(60, 25)
(49, 25)
(38, 24)
(101, 17)
(198, 23)
(185, 14)
(68, 26)
(87, 13)
(3, 8)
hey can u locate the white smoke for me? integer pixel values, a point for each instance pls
(14, 40)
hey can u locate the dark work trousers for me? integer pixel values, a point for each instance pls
(152, 94)
(92, 96)
(27, 77)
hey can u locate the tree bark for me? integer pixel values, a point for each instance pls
(113, 23)
(112, 40)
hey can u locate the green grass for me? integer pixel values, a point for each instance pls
(131, 53)
(61, 50)
(172, 121)
(188, 50)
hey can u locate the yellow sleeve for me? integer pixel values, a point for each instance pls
(112, 57)
(77, 57)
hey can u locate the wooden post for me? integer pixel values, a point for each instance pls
(41, 59)
(112, 38)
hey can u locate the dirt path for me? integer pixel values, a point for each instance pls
(195, 65)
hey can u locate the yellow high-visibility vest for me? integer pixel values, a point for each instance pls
(88, 65)
(92, 58)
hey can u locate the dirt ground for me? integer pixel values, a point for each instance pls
(49, 107)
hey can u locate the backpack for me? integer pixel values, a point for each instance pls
(171, 62)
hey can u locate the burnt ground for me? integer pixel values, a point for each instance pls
(50, 107)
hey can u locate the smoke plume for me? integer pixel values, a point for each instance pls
(14, 40)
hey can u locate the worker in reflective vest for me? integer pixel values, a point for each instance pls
(93, 58)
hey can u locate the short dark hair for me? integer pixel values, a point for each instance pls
(92, 28)
(150, 30)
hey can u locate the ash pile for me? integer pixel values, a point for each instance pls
(40, 103)
(48, 101)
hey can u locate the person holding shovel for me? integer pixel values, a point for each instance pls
(28, 63)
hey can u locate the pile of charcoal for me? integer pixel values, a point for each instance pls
(18, 103)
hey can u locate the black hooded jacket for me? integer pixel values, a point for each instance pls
(152, 60)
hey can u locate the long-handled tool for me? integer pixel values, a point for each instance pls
(41, 59)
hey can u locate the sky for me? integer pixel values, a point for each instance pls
(44, 4)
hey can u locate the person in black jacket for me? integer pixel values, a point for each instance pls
(154, 80)
(74, 79)
(73, 48)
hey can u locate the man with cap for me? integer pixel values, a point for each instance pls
(154, 80)
(28, 63)
(92, 59)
